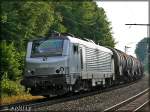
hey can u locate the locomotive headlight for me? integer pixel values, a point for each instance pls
(57, 71)
(32, 72)
(61, 69)
(29, 71)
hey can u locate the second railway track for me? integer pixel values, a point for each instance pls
(133, 104)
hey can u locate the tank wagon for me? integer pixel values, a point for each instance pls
(62, 63)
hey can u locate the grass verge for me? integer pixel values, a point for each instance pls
(18, 98)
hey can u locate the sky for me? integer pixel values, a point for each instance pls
(121, 13)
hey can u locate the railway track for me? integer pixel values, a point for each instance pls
(133, 104)
(31, 105)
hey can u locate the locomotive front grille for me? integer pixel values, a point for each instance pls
(45, 71)
(32, 81)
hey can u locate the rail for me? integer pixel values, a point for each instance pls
(124, 103)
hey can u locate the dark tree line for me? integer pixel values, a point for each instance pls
(21, 21)
(142, 51)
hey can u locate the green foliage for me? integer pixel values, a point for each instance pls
(142, 49)
(142, 52)
(24, 20)
(146, 63)
(9, 87)
(85, 20)
(21, 21)
(9, 61)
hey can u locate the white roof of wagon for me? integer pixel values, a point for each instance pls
(89, 44)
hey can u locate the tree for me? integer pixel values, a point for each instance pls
(85, 20)
(142, 52)
(142, 49)
(24, 20)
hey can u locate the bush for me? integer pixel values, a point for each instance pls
(9, 61)
(9, 88)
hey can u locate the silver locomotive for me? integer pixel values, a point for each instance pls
(63, 63)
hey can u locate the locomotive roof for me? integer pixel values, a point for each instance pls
(89, 44)
(77, 40)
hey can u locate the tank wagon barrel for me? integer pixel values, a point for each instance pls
(128, 66)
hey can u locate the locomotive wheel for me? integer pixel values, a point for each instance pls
(109, 82)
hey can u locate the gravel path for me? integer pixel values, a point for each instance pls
(99, 102)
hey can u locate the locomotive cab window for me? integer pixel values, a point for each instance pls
(75, 49)
(50, 47)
